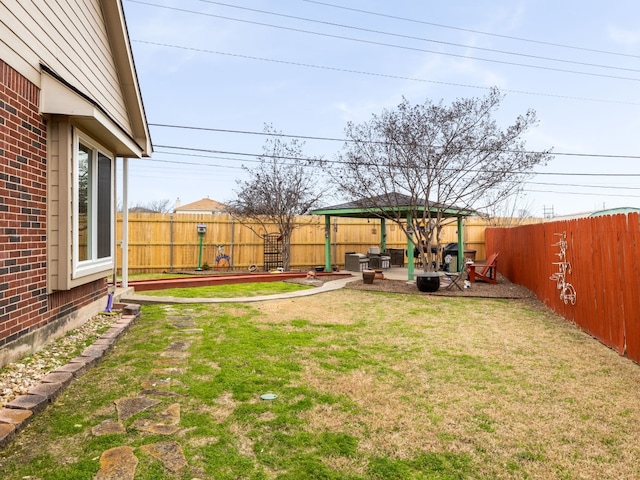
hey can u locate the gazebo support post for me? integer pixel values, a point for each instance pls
(327, 244)
(410, 247)
(460, 245)
(383, 235)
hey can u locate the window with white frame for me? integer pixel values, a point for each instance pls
(93, 207)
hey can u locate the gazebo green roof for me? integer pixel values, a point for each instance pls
(380, 206)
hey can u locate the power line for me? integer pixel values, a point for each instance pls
(510, 37)
(210, 165)
(415, 49)
(200, 165)
(583, 193)
(258, 155)
(380, 32)
(333, 139)
(617, 187)
(381, 75)
(194, 163)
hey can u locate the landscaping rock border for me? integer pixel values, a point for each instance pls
(16, 414)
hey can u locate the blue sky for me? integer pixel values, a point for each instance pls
(239, 65)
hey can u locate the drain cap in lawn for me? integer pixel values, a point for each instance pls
(268, 396)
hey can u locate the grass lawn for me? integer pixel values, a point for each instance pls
(368, 385)
(229, 290)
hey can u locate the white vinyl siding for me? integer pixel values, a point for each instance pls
(71, 39)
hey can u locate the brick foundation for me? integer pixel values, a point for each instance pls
(25, 305)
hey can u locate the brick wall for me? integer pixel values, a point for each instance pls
(24, 303)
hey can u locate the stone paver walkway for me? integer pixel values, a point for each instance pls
(120, 463)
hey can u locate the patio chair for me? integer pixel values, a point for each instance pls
(487, 272)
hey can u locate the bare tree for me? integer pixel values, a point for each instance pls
(508, 211)
(280, 188)
(153, 206)
(430, 157)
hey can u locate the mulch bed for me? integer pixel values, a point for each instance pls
(503, 289)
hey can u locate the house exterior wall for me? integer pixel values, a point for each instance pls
(67, 81)
(72, 40)
(30, 314)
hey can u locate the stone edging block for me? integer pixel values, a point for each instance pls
(16, 414)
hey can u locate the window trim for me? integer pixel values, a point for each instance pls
(84, 268)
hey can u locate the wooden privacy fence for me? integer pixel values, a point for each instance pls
(604, 257)
(170, 242)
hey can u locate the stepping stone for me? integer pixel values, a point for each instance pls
(171, 416)
(167, 362)
(35, 403)
(158, 393)
(155, 428)
(128, 407)
(167, 424)
(184, 324)
(108, 427)
(172, 354)
(117, 463)
(7, 431)
(191, 331)
(169, 453)
(168, 371)
(179, 346)
(163, 383)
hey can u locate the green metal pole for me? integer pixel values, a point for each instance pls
(327, 243)
(201, 235)
(460, 245)
(383, 234)
(410, 247)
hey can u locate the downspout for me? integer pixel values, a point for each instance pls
(114, 208)
(125, 222)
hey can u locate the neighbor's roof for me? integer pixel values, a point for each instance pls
(596, 213)
(204, 205)
(383, 205)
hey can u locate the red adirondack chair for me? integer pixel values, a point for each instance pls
(487, 272)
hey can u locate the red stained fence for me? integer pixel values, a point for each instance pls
(604, 253)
